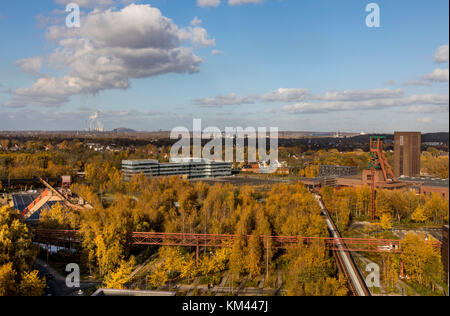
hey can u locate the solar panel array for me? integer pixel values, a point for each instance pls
(21, 201)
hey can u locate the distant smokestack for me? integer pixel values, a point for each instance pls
(94, 123)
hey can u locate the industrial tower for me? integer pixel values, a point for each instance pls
(378, 162)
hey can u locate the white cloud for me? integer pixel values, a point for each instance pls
(30, 65)
(301, 95)
(421, 82)
(216, 52)
(197, 35)
(367, 104)
(441, 55)
(208, 3)
(438, 75)
(220, 101)
(351, 95)
(428, 109)
(287, 95)
(196, 21)
(109, 49)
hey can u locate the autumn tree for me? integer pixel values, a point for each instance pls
(421, 259)
(59, 217)
(254, 256)
(7, 280)
(310, 272)
(17, 255)
(116, 279)
(16, 245)
(106, 233)
(31, 284)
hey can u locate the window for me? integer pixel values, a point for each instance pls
(401, 161)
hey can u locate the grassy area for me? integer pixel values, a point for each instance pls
(423, 290)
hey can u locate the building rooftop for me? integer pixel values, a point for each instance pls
(140, 161)
(22, 200)
(426, 181)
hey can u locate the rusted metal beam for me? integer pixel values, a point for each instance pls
(220, 240)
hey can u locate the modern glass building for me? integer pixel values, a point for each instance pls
(189, 168)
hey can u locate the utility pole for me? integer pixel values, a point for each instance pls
(267, 259)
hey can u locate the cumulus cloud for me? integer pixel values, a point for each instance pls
(111, 48)
(438, 75)
(216, 52)
(442, 55)
(30, 65)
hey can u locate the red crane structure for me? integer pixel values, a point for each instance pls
(378, 162)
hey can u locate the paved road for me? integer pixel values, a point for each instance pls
(57, 286)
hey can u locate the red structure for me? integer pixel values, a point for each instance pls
(378, 163)
(59, 237)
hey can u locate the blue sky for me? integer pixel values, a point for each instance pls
(294, 64)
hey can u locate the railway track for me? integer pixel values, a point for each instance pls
(344, 259)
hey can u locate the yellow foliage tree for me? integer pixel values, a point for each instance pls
(118, 278)
(421, 259)
(419, 215)
(59, 217)
(7, 280)
(386, 221)
(253, 258)
(31, 284)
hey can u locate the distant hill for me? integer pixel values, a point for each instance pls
(435, 137)
(123, 130)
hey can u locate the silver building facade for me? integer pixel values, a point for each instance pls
(189, 168)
